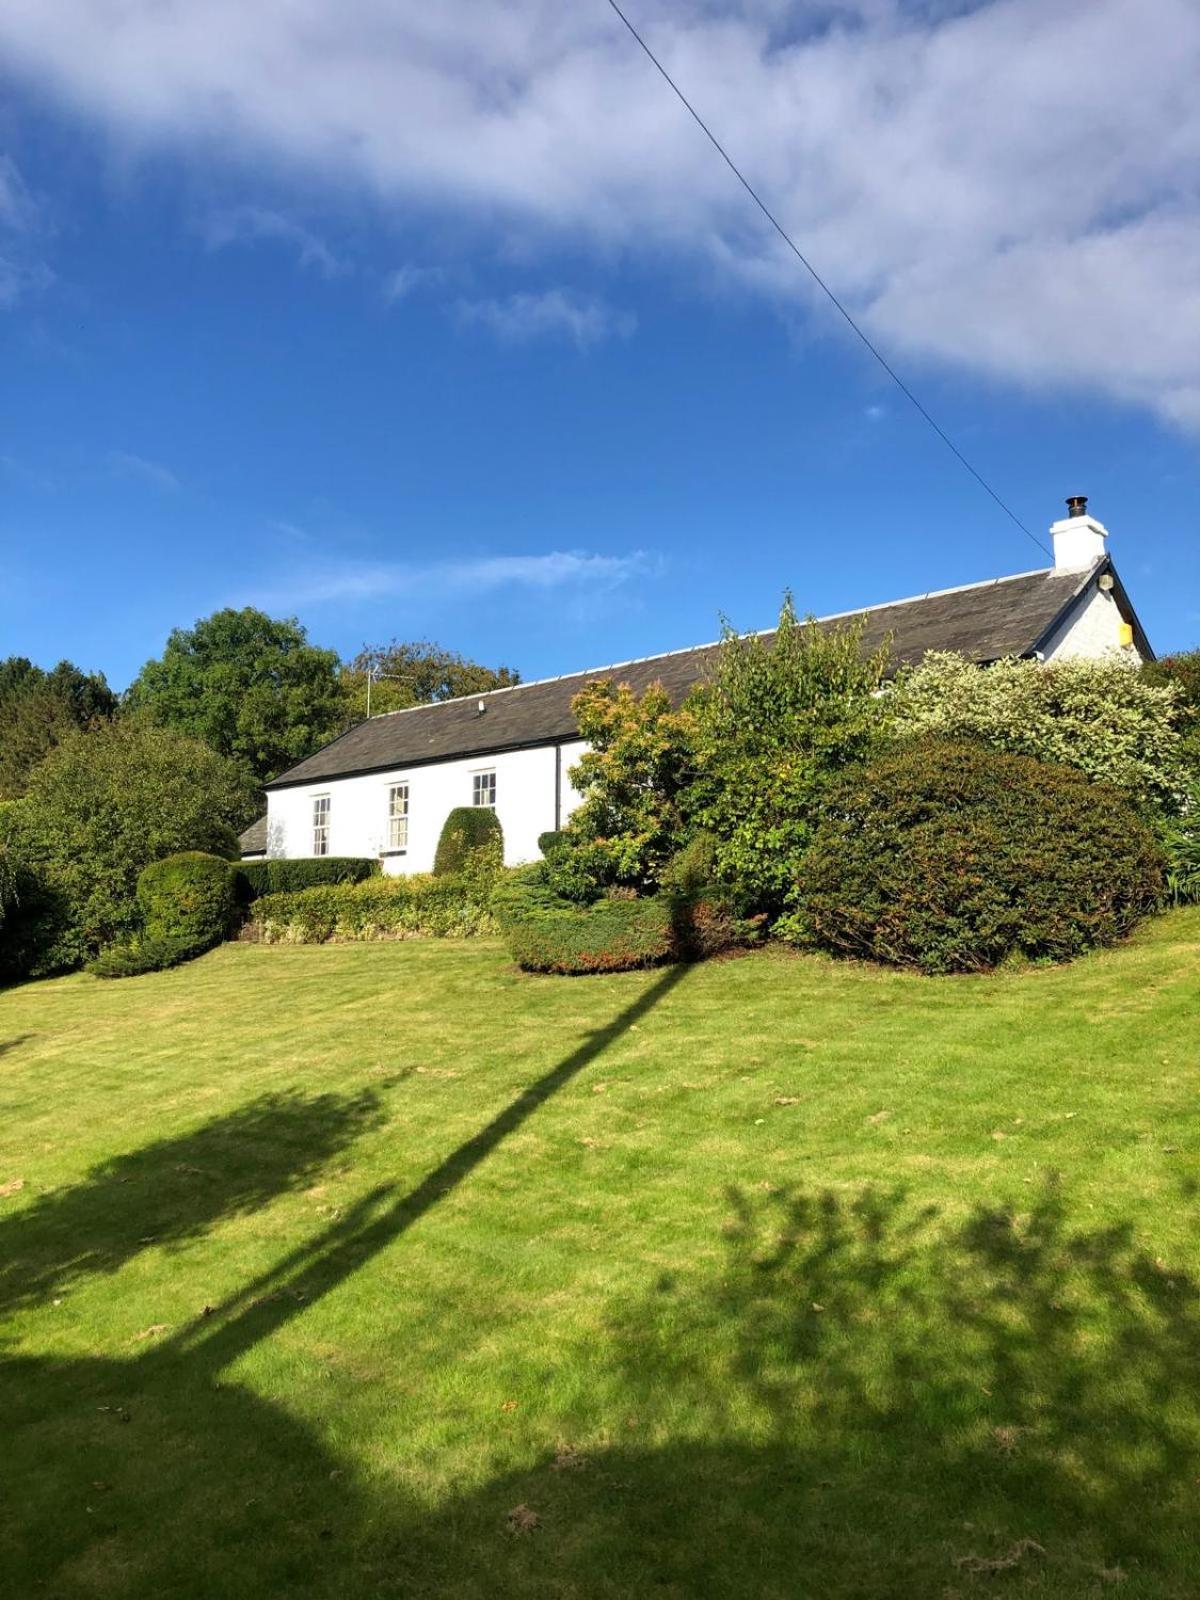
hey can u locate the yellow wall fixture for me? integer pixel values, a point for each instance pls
(1125, 633)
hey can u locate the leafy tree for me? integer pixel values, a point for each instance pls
(414, 673)
(251, 686)
(98, 809)
(633, 780)
(1110, 721)
(38, 709)
(782, 716)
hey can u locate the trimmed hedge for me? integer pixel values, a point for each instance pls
(187, 896)
(256, 878)
(952, 858)
(607, 936)
(420, 906)
(467, 831)
(141, 955)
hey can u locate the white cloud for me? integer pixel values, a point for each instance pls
(123, 464)
(1006, 186)
(554, 313)
(403, 281)
(574, 570)
(248, 224)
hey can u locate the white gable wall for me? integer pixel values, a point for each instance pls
(1092, 628)
(358, 807)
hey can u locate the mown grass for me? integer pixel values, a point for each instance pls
(764, 1278)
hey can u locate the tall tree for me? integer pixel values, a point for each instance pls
(38, 709)
(411, 673)
(251, 686)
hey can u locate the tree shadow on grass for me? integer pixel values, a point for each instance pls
(868, 1398)
(153, 1475)
(170, 1192)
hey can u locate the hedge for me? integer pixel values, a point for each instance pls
(465, 832)
(187, 896)
(607, 936)
(952, 858)
(378, 908)
(256, 878)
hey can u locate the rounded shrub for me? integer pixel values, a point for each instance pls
(187, 897)
(468, 832)
(952, 858)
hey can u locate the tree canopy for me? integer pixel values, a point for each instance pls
(412, 673)
(250, 686)
(39, 709)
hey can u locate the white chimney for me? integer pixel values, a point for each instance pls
(1078, 538)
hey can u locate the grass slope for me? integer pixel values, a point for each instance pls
(764, 1278)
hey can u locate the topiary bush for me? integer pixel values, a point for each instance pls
(278, 876)
(188, 897)
(468, 831)
(952, 858)
(419, 906)
(607, 936)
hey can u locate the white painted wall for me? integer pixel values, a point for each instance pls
(1091, 628)
(358, 809)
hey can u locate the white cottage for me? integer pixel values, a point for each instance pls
(385, 787)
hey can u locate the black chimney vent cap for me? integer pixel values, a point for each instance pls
(1077, 505)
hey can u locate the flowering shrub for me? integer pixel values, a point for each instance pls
(1102, 716)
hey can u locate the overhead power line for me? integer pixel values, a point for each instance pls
(820, 281)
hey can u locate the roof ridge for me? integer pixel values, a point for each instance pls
(689, 649)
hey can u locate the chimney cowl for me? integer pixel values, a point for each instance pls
(1077, 505)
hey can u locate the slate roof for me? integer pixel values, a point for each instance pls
(985, 621)
(253, 840)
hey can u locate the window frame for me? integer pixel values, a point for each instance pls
(393, 817)
(322, 812)
(487, 777)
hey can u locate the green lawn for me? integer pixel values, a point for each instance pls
(767, 1278)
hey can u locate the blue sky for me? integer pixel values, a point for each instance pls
(455, 328)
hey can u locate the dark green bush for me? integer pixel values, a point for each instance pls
(550, 841)
(607, 936)
(255, 878)
(188, 896)
(145, 954)
(250, 879)
(468, 831)
(420, 906)
(952, 857)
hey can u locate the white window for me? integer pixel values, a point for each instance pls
(484, 789)
(398, 817)
(321, 825)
